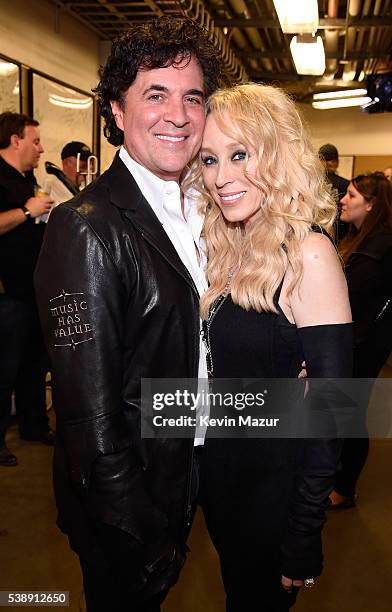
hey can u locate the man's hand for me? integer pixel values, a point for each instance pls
(146, 569)
(164, 571)
(39, 205)
(9, 219)
(288, 583)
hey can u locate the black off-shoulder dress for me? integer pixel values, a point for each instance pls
(264, 499)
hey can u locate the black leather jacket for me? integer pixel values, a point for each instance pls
(116, 304)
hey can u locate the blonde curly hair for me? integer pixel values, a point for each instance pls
(295, 197)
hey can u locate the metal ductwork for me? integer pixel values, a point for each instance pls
(357, 35)
(353, 10)
(253, 34)
(196, 9)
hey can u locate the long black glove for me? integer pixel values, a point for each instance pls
(328, 354)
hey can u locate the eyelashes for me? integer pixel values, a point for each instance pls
(209, 160)
(239, 156)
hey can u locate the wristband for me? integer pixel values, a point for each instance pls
(27, 212)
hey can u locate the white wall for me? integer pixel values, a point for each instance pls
(27, 34)
(350, 130)
(72, 55)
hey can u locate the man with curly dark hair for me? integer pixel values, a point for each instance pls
(118, 284)
(171, 42)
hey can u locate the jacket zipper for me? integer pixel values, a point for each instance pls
(188, 508)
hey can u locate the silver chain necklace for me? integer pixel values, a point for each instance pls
(206, 325)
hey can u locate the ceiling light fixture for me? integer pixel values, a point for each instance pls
(346, 93)
(341, 102)
(308, 54)
(300, 17)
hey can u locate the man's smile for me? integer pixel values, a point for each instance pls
(171, 138)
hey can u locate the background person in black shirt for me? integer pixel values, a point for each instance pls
(329, 155)
(22, 353)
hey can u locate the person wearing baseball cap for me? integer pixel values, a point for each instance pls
(329, 155)
(63, 184)
(69, 158)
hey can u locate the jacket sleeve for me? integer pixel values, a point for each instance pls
(81, 298)
(370, 285)
(328, 354)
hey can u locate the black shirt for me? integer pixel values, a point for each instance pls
(20, 247)
(339, 187)
(339, 184)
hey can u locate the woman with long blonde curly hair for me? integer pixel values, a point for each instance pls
(277, 297)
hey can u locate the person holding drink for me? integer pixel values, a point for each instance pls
(22, 353)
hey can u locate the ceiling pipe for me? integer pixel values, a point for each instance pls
(349, 69)
(359, 45)
(333, 6)
(375, 37)
(197, 10)
(240, 8)
(361, 34)
(354, 7)
(331, 41)
(235, 33)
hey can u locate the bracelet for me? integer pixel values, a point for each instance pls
(26, 211)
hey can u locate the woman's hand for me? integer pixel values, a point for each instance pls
(288, 583)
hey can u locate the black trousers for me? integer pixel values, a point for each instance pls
(250, 585)
(104, 592)
(244, 494)
(369, 359)
(24, 364)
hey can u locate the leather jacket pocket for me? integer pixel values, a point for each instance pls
(85, 440)
(107, 473)
(117, 495)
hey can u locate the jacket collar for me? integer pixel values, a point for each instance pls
(125, 194)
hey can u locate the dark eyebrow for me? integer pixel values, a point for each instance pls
(190, 92)
(195, 92)
(155, 87)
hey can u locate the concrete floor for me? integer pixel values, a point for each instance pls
(34, 555)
